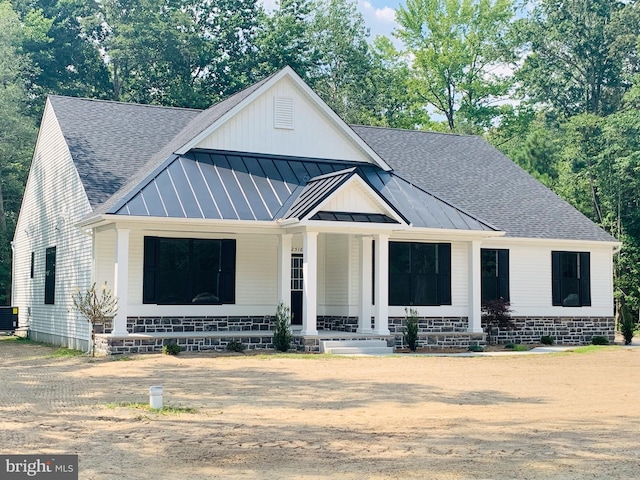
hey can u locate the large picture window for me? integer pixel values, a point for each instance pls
(419, 273)
(495, 274)
(571, 285)
(50, 276)
(181, 271)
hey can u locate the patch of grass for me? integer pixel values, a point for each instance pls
(593, 348)
(64, 352)
(166, 410)
(14, 338)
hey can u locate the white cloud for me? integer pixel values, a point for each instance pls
(386, 14)
(379, 20)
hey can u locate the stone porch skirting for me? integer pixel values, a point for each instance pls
(150, 334)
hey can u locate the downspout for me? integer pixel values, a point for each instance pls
(13, 267)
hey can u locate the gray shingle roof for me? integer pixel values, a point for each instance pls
(117, 145)
(110, 142)
(471, 174)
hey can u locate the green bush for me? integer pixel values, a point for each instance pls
(600, 340)
(626, 323)
(411, 328)
(282, 335)
(236, 346)
(510, 346)
(547, 340)
(171, 349)
(476, 348)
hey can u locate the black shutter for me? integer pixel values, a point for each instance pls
(50, 276)
(228, 271)
(149, 279)
(503, 274)
(585, 282)
(444, 274)
(556, 279)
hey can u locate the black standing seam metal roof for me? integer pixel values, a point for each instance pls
(242, 186)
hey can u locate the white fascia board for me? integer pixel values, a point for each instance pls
(560, 242)
(382, 203)
(351, 228)
(176, 224)
(287, 71)
(447, 233)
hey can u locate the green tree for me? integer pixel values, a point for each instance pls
(18, 135)
(581, 54)
(458, 47)
(187, 53)
(341, 74)
(65, 61)
(283, 39)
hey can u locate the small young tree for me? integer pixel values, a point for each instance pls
(626, 324)
(282, 328)
(95, 308)
(411, 328)
(496, 314)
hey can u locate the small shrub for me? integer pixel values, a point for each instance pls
(476, 348)
(496, 314)
(411, 328)
(626, 323)
(282, 335)
(510, 346)
(171, 349)
(600, 340)
(547, 340)
(236, 346)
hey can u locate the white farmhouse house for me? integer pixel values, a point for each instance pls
(201, 222)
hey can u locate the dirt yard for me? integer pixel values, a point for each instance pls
(564, 416)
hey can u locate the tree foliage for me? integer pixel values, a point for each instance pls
(457, 48)
(582, 53)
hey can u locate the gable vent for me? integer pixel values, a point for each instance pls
(283, 112)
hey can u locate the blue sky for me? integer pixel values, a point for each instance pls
(379, 15)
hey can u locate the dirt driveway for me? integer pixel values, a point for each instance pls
(568, 416)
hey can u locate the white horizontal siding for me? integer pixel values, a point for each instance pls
(530, 280)
(256, 276)
(312, 135)
(352, 198)
(53, 202)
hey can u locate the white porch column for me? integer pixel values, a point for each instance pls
(121, 281)
(475, 303)
(382, 285)
(364, 320)
(310, 284)
(284, 269)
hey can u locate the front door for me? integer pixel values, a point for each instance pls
(296, 289)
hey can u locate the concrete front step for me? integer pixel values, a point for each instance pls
(360, 351)
(355, 347)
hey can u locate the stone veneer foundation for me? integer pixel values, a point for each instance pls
(565, 330)
(150, 334)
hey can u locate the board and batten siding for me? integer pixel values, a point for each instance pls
(312, 135)
(53, 202)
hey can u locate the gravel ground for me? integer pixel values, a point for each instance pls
(555, 416)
